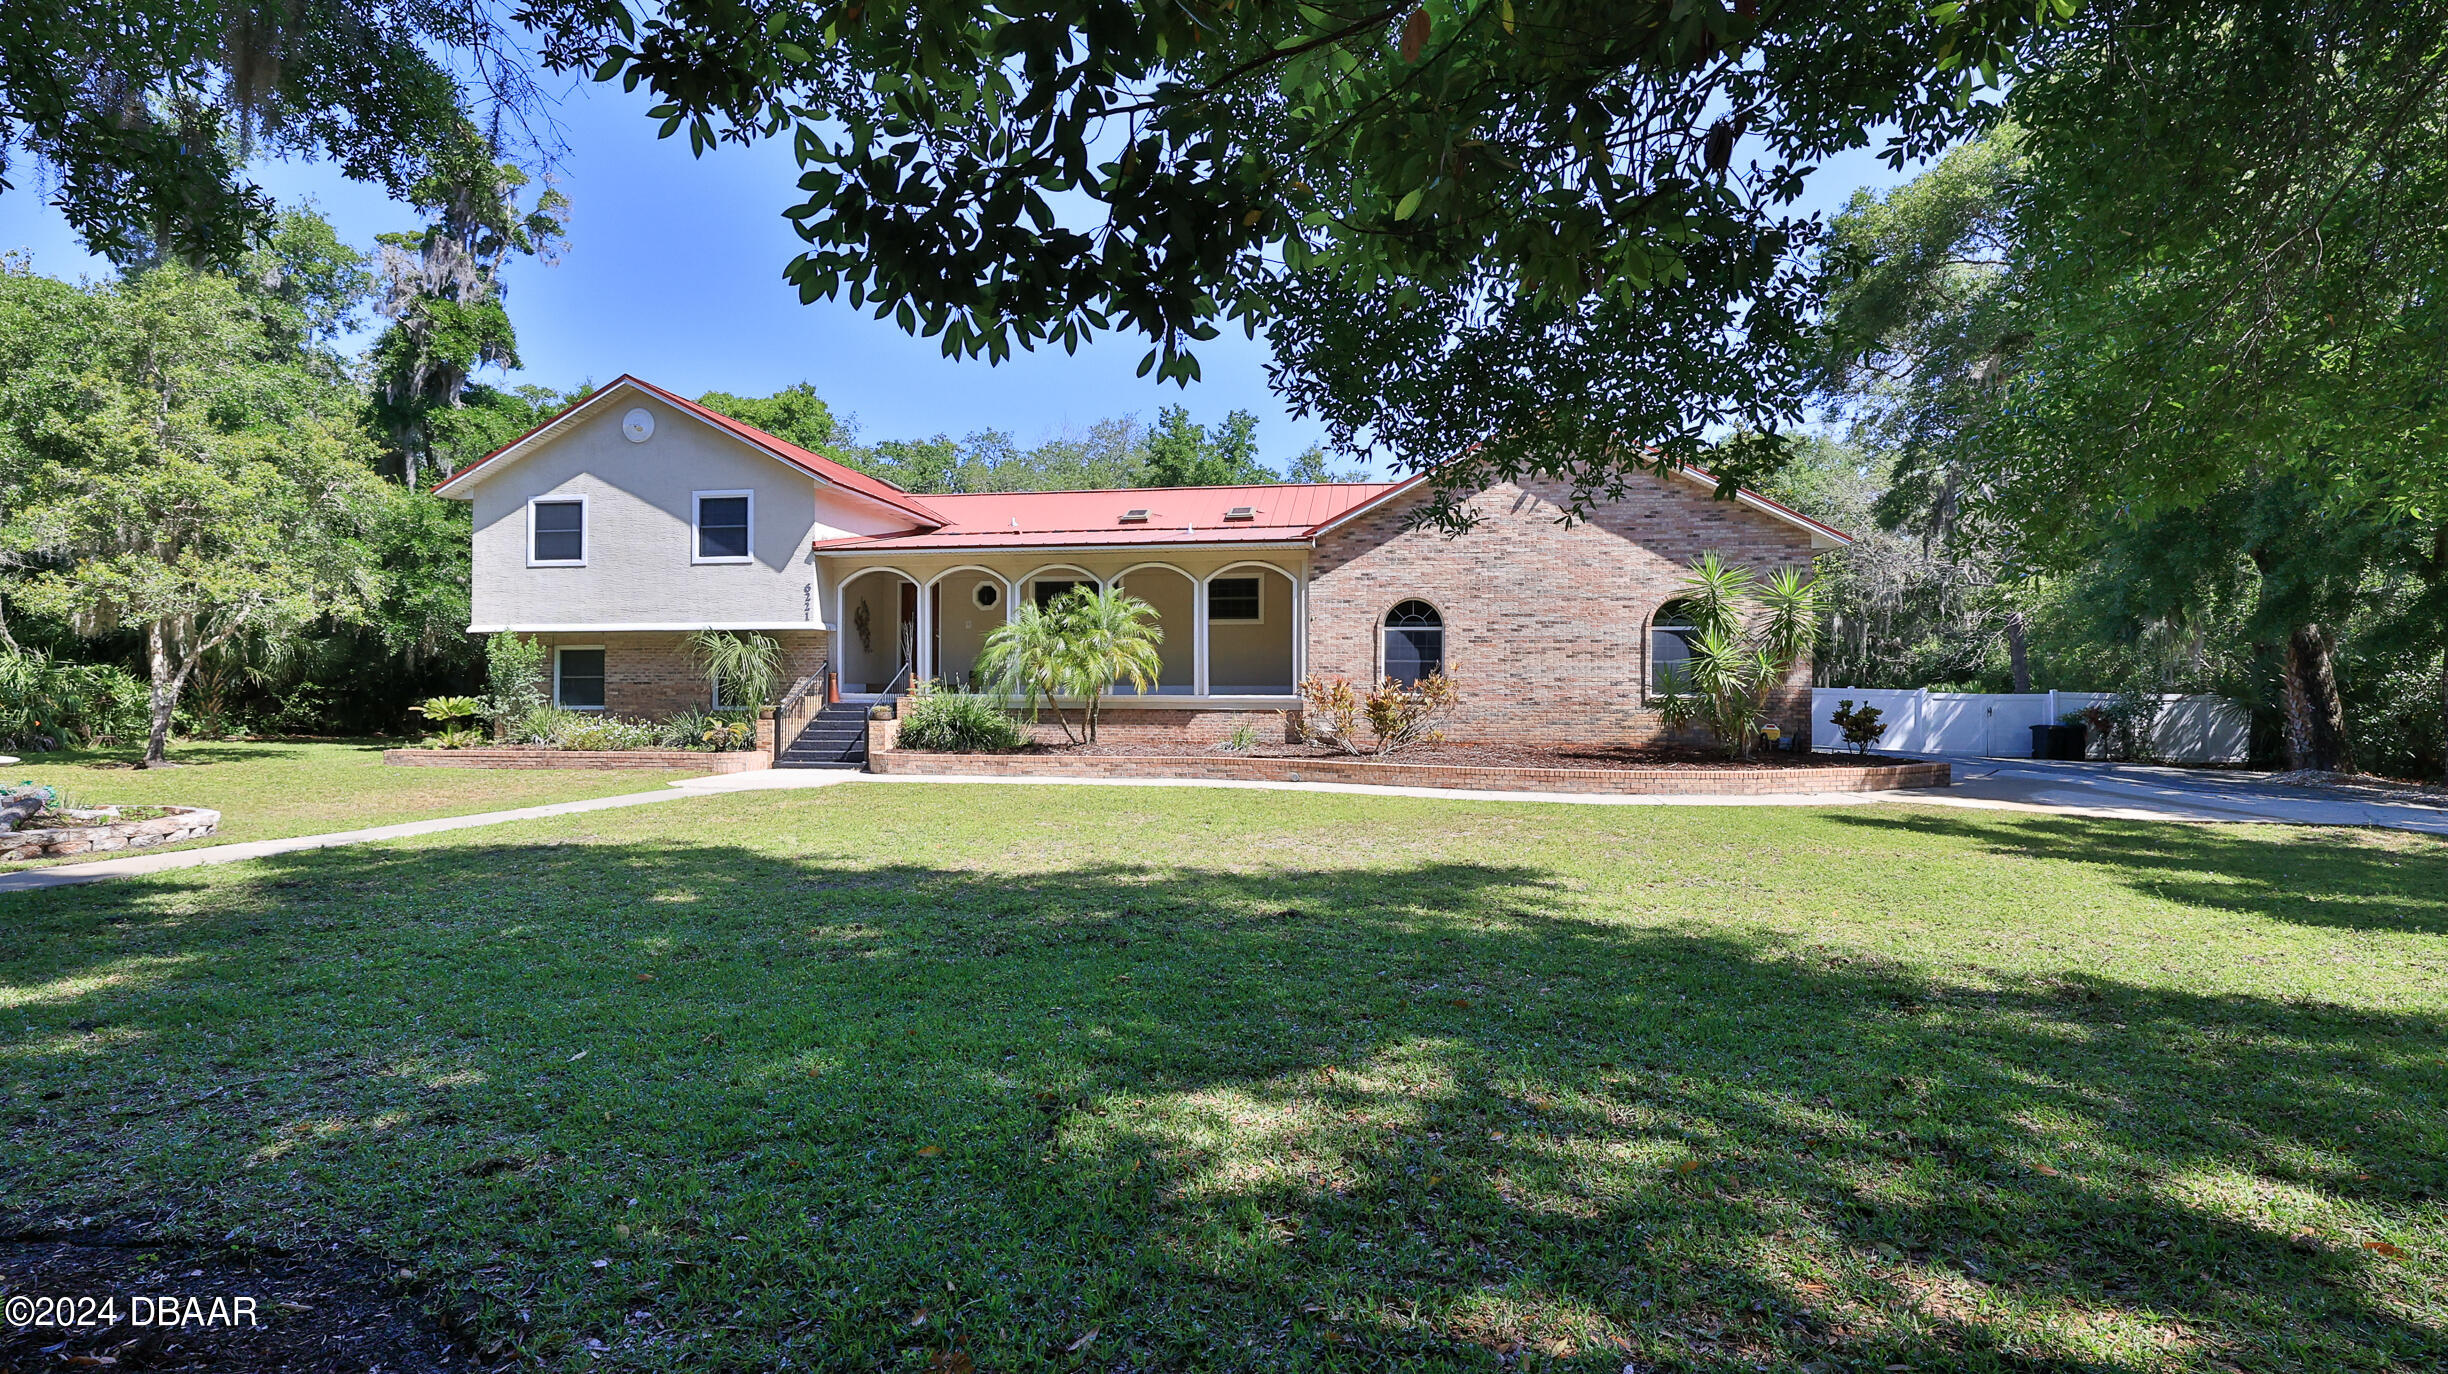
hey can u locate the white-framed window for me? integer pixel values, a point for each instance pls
(986, 595)
(722, 526)
(557, 532)
(578, 678)
(1670, 643)
(1235, 601)
(1047, 590)
(1414, 641)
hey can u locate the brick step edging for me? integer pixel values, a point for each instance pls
(1624, 781)
(691, 760)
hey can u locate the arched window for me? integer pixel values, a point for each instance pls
(1414, 642)
(1670, 642)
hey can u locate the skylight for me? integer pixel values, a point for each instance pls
(1242, 513)
(1136, 515)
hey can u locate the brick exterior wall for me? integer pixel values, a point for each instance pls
(1546, 625)
(651, 675)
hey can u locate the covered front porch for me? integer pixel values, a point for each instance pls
(1234, 625)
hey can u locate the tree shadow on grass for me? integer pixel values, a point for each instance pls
(720, 1109)
(193, 753)
(2310, 876)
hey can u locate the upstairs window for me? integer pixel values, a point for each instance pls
(556, 533)
(722, 526)
(1414, 642)
(1233, 601)
(578, 679)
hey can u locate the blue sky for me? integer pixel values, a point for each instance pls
(674, 272)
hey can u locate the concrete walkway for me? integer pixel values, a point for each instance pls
(2107, 790)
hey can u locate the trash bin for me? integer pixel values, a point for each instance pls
(2064, 742)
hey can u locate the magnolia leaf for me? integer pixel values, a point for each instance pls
(1414, 35)
(1409, 203)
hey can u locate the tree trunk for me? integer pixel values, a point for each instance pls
(2438, 578)
(2316, 718)
(2018, 651)
(167, 680)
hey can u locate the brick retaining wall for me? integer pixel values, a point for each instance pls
(1618, 781)
(687, 760)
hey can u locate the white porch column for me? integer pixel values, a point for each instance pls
(1198, 636)
(1300, 629)
(924, 665)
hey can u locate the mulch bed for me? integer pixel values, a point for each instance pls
(1646, 757)
(322, 1311)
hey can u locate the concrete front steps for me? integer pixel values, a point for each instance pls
(835, 738)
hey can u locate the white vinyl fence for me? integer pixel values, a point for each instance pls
(2191, 729)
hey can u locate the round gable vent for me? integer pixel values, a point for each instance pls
(638, 425)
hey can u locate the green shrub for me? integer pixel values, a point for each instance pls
(515, 676)
(538, 725)
(715, 730)
(582, 731)
(1861, 724)
(45, 704)
(952, 722)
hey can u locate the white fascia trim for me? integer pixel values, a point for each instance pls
(641, 626)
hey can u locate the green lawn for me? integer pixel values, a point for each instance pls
(1127, 1078)
(271, 791)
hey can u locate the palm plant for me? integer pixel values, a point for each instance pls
(1111, 638)
(745, 670)
(1082, 646)
(1027, 656)
(1746, 636)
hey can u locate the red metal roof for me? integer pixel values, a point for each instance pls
(1175, 515)
(837, 474)
(1285, 514)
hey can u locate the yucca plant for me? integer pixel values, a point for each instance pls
(1747, 635)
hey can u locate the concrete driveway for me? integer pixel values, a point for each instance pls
(2139, 792)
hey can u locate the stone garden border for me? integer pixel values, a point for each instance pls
(183, 823)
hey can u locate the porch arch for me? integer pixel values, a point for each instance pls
(1175, 595)
(1252, 657)
(959, 619)
(889, 599)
